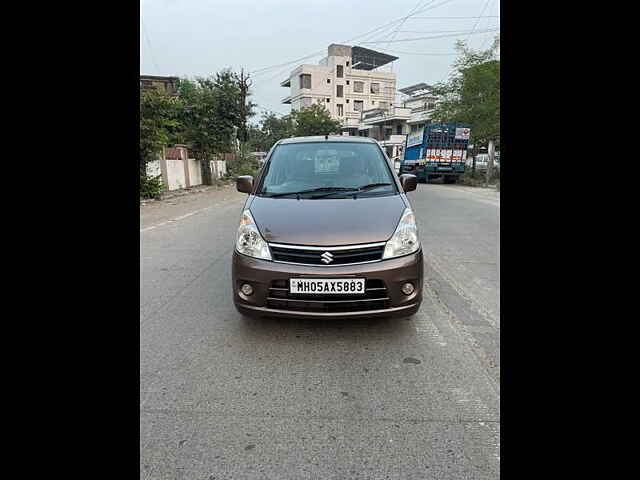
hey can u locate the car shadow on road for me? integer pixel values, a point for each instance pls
(279, 330)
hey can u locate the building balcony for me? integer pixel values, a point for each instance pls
(287, 99)
(419, 116)
(381, 115)
(351, 122)
(286, 83)
(393, 140)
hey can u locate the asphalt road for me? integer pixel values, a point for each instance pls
(224, 397)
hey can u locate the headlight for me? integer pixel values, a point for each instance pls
(405, 239)
(249, 241)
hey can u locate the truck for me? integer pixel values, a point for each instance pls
(438, 150)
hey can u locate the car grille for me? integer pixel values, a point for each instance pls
(374, 298)
(338, 255)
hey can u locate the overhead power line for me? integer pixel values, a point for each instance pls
(411, 12)
(478, 20)
(320, 52)
(456, 18)
(434, 31)
(146, 37)
(384, 50)
(477, 32)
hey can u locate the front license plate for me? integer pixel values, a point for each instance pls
(327, 286)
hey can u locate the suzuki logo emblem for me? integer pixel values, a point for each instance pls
(327, 257)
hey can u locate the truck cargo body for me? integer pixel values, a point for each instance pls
(438, 150)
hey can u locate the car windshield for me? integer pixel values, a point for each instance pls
(343, 167)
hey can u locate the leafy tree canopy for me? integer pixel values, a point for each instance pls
(472, 93)
(158, 123)
(314, 120)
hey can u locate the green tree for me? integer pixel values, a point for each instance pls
(211, 113)
(215, 109)
(271, 129)
(472, 93)
(158, 125)
(314, 120)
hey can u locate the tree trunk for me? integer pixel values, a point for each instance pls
(206, 170)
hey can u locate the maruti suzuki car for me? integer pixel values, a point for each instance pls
(327, 231)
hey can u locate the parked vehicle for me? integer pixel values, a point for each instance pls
(438, 150)
(327, 231)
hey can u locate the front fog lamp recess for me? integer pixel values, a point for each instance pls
(407, 288)
(247, 289)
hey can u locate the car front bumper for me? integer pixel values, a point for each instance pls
(383, 281)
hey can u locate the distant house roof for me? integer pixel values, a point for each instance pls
(172, 153)
(158, 77)
(367, 59)
(156, 82)
(416, 90)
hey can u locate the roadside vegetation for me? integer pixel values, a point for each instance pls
(472, 95)
(210, 115)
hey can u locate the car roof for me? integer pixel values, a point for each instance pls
(328, 138)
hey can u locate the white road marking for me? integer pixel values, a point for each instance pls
(173, 220)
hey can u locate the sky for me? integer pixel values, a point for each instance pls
(189, 38)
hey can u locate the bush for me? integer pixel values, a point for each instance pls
(472, 179)
(478, 178)
(243, 164)
(151, 187)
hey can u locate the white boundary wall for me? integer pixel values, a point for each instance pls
(175, 178)
(195, 172)
(183, 173)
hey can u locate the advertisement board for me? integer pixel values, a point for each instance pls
(414, 138)
(462, 133)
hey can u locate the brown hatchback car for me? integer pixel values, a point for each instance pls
(327, 231)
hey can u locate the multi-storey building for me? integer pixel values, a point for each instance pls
(346, 82)
(350, 86)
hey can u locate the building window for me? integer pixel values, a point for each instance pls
(328, 80)
(375, 88)
(347, 82)
(339, 91)
(373, 102)
(431, 106)
(305, 80)
(357, 105)
(340, 110)
(339, 71)
(414, 128)
(399, 130)
(347, 100)
(347, 63)
(358, 87)
(328, 100)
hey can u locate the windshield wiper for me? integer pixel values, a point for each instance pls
(311, 190)
(355, 190)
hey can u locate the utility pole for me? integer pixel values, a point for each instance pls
(245, 84)
(492, 152)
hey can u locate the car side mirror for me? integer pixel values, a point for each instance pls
(409, 182)
(244, 184)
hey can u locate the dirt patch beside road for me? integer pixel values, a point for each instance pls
(155, 212)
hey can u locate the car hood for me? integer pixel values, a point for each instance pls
(327, 222)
